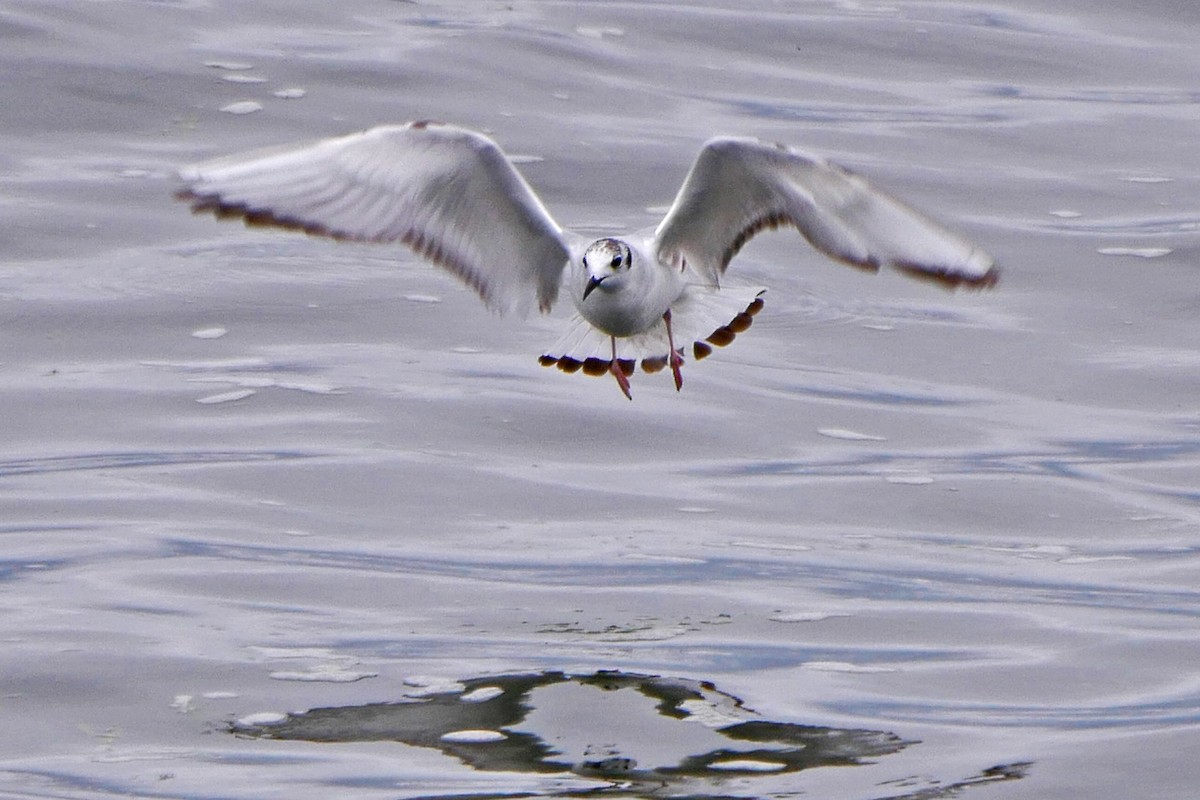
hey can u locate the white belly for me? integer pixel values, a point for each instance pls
(634, 303)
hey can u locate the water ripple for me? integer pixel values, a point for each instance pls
(94, 461)
(903, 583)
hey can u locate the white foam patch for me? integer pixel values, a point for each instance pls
(183, 703)
(291, 93)
(243, 107)
(209, 333)
(708, 715)
(425, 685)
(1065, 213)
(746, 765)
(311, 388)
(1138, 252)
(225, 397)
(909, 480)
(482, 694)
(474, 736)
(849, 435)
(1094, 559)
(260, 719)
(422, 298)
(231, 66)
(599, 32)
(661, 558)
(207, 365)
(327, 674)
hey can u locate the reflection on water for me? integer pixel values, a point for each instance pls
(631, 729)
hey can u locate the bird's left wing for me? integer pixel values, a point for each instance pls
(447, 192)
(738, 187)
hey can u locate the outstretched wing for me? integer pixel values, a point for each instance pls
(738, 187)
(447, 192)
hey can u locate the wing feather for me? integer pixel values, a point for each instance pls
(447, 192)
(739, 187)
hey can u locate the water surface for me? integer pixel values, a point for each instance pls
(248, 472)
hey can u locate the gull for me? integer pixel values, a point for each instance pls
(452, 195)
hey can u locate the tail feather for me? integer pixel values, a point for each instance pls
(700, 319)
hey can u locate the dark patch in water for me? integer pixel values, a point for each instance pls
(747, 744)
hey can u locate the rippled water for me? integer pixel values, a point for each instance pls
(243, 472)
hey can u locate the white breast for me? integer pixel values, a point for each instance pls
(632, 302)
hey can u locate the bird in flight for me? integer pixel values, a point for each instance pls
(653, 297)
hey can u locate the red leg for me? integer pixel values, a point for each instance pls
(674, 358)
(617, 372)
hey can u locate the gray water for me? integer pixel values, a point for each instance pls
(246, 472)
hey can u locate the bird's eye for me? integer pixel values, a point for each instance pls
(616, 262)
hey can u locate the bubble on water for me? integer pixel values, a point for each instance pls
(1139, 252)
(746, 765)
(479, 736)
(261, 719)
(849, 435)
(225, 397)
(482, 694)
(183, 703)
(599, 32)
(209, 333)
(243, 107)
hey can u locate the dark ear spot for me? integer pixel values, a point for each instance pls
(585, 262)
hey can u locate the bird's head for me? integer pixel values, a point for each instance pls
(604, 263)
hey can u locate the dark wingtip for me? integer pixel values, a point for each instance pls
(951, 280)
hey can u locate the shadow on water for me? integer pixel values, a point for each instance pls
(640, 734)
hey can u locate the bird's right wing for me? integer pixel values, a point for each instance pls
(738, 187)
(447, 192)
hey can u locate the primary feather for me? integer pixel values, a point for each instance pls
(738, 187)
(447, 192)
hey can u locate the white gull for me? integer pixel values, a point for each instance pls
(452, 195)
